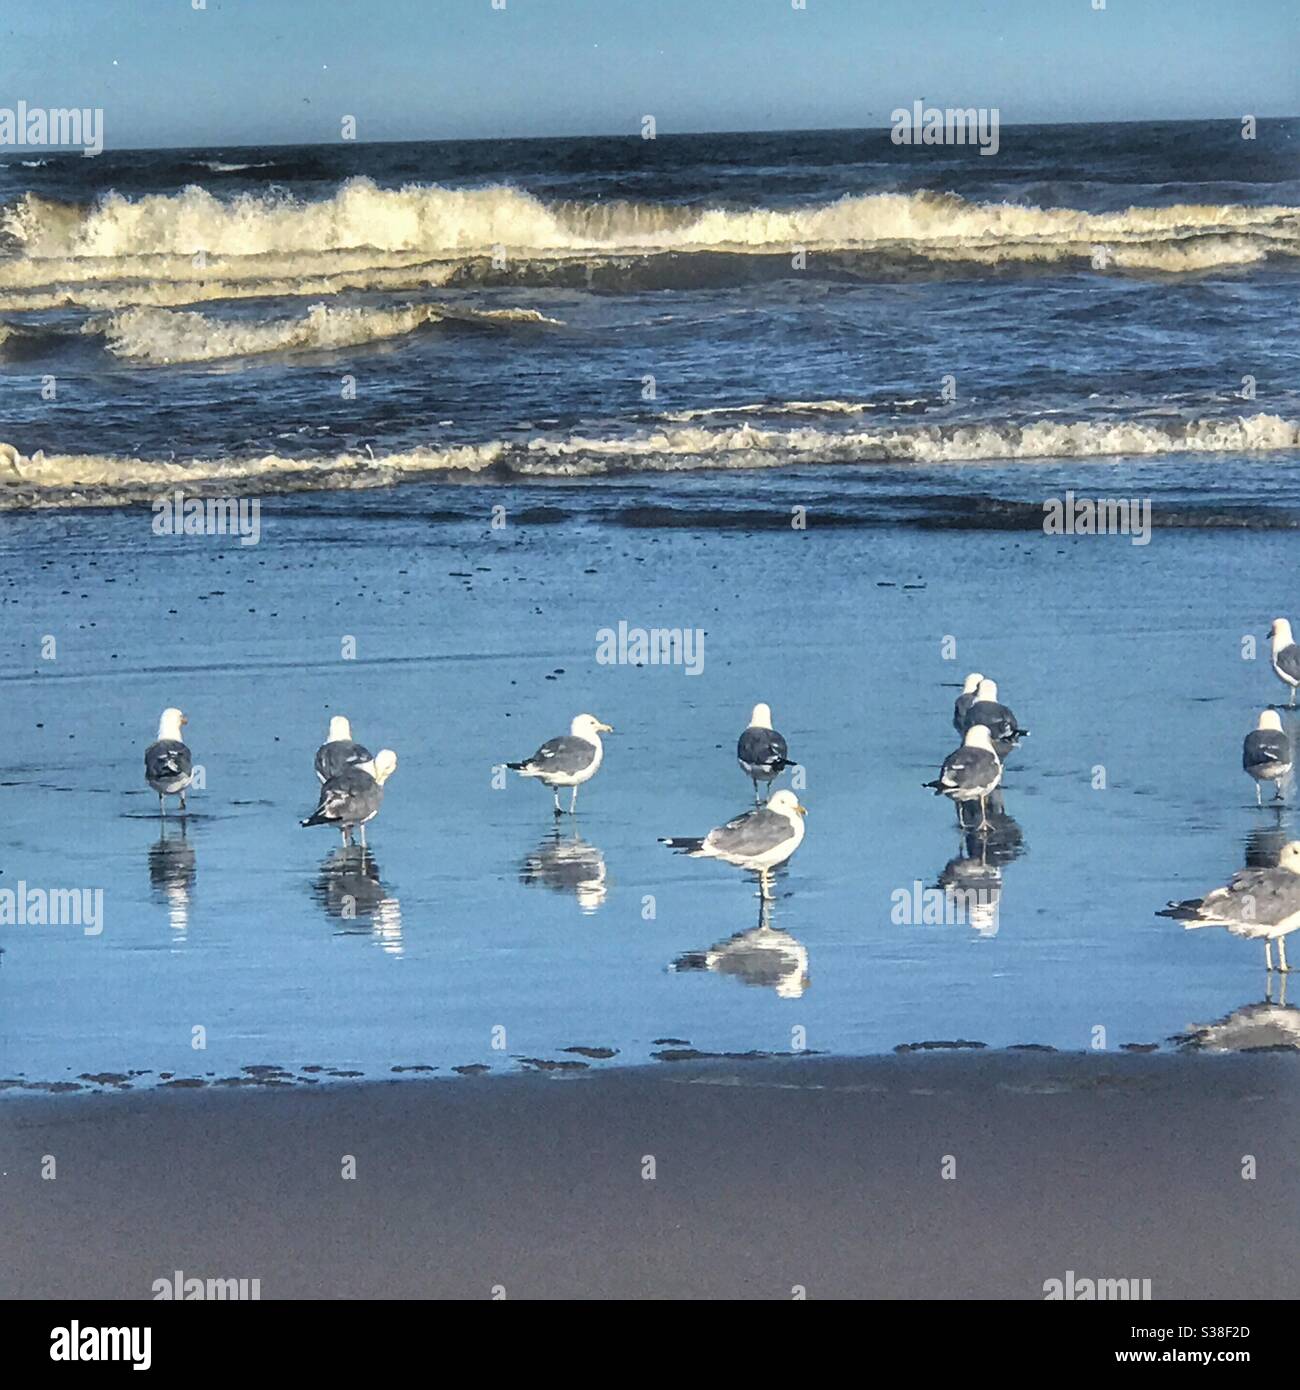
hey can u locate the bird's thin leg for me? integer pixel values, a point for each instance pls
(1282, 966)
(984, 815)
(1259, 800)
(1268, 956)
(758, 800)
(555, 793)
(182, 801)
(763, 886)
(961, 819)
(573, 801)
(162, 806)
(363, 837)
(1293, 694)
(1277, 790)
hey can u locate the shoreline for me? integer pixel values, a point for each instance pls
(818, 1173)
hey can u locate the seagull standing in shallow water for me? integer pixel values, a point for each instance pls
(1266, 754)
(986, 709)
(354, 796)
(339, 752)
(168, 767)
(759, 840)
(761, 751)
(568, 760)
(1286, 655)
(970, 773)
(1257, 903)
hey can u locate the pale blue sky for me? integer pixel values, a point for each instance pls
(268, 71)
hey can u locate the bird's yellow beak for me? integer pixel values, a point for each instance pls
(605, 728)
(803, 810)
(185, 719)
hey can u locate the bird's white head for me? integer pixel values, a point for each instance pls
(786, 803)
(382, 765)
(169, 726)
(978, 736)
(1290, 857)
(11, 459)
(1280, 632)
(340, 729)
(761, 717)
(986, 690)
(972, 683)
(1270, 719)
(589, 727)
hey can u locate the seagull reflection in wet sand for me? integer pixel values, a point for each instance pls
(350, 890)
(762, 956)
(1251, 1028)
(974, 877)
(171, 876)
(567, 864)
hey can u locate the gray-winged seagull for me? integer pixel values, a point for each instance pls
(759, 840)
(354, 796)
(339, 751)
(1286, 655)
(1257, 903)
(569, 760)
(970, 773)
(168, 767)
(1266, 754)
(761, 751)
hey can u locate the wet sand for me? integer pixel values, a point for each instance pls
(771, 1175)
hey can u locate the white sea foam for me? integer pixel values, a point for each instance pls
(80, 479)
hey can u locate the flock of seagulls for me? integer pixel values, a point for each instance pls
(1257, 903)
(1260, 903)
(989, 732)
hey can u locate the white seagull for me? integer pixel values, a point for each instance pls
(1257, 903)
(1266, 754)
(168, 767)
(568, 760)
(1286, 655)
(759, 840)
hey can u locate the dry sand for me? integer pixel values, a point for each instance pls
(820, 1173)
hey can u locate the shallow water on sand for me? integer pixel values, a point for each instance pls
(476, 912)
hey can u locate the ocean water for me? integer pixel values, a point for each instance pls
(492, 397)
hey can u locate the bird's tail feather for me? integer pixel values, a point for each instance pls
(315, 819)
(692, 960)
(1185, 912)
(683, 844)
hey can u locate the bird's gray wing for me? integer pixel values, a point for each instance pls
(166, 759)
(1288, 660)
(1264, 746)
(997, 718)
(339, 755)
(762, 748)
(754, 833)
(968, 767)
(960, 709)
(566, 754)
(1266, 896)
(351, 795)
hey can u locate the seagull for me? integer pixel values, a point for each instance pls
(1257, 903)
(1266, 754)
(1286, 655)
(759, 840)
(568, 760)
(168, 767)
(996, 718)
(353, 797)
(970, 773)
(339, 752)
(965, 700)
(761, 751)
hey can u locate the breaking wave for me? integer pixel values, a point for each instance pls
(53, 480)
(373, 237)
(166, 337)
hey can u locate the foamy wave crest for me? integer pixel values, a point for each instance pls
(164, 337)
(53, 480)
(272, 235)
